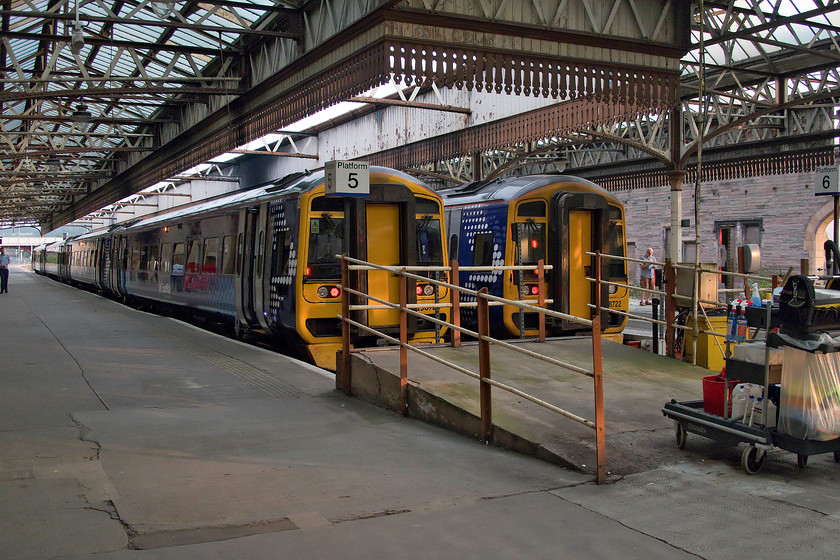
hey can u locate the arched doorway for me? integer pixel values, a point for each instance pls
(815, 237)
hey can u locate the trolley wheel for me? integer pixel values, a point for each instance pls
(681, 435)
(802, 460)
(837, 456)
(753, 459)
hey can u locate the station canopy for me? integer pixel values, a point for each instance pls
(92, 86)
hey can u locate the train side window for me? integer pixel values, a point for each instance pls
(135, 258)
(144, 258)
(211, 253)
(193, 256)
(166, 257)
(241, 245)
(483, 250)
(178, 259)
(153, 258)
(228, 254)
(281, 261)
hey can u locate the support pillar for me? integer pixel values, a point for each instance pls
(676, 179)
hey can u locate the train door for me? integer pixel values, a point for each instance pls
(245, 312)
(580, 225)
(262, 279)
(383, 222)
(118, 248)
(384, 226)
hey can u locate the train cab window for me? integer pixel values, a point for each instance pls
(617, 268)
(193, 256)
(178, 259)
(228, 254)
(211, 253)
(165, 257)
(531, 239)
(326, 240)
(531, 209)
(429, 249)
(483, 249)
(425, 206)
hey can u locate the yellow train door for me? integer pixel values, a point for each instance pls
(580, 264)
(383, 223)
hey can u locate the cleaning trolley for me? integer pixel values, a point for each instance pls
(779, 391)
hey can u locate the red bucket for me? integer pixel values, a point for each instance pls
(713, 393)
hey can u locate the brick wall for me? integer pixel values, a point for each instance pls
(792, 218)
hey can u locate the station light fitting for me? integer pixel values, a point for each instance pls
(81, 114)
(77, 37)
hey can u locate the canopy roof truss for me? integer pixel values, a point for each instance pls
(92, 87)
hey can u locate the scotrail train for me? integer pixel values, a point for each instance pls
(520, 220)
(264, 259)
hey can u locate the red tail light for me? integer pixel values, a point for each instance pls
(335, 292)
(535, 290)
(419, 290)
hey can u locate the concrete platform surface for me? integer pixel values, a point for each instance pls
(128, 435)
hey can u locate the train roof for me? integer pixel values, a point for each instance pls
(511, 188)
(294, 183)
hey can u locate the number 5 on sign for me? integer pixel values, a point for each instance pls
(347, 178)
(827, 181)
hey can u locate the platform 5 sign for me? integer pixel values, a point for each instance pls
(827, 181)
(347, 178)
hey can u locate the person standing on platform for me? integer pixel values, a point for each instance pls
(646, 275)
(4, 271)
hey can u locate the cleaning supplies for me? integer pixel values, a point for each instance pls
(743, 329)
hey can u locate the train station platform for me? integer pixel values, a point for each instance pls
(636, 384)
(127, 435)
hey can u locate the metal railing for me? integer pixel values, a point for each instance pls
(483, 301)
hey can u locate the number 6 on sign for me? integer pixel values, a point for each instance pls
(347, 178)
(827, 181)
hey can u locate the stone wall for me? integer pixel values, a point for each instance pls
(791, 219)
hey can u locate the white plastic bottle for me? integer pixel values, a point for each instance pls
(740, 398)
(756, 416)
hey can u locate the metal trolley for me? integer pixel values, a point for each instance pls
(689, 416)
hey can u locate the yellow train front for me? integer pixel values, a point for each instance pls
(398, 224)
(519, 220)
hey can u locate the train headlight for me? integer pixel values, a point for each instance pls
(613, 289)
(429, 290)
(325, 292)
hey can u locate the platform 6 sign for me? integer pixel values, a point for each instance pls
(347, 178)
(827, 181)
